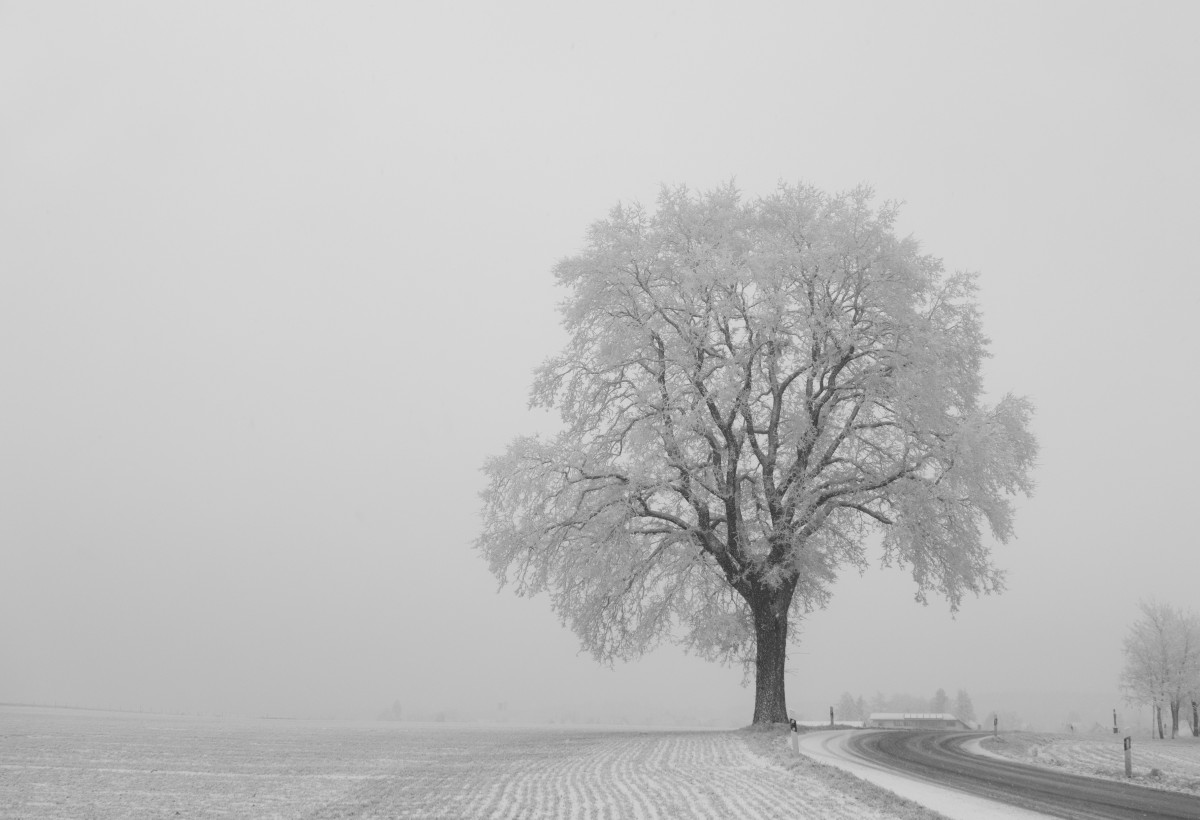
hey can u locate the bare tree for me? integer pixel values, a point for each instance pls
(1162, 661)
(749, 390)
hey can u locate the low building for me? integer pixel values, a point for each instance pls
(915, 720)
(824, 724)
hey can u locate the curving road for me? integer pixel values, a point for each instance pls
(939, 757)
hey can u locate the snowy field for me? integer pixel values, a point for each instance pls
(73, 764)
(1166, 764)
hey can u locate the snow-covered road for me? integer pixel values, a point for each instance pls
(832, 748)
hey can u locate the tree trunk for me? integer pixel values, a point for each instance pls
(770, 608)
(1195, 718)
(1174, 719)
(1158, 720)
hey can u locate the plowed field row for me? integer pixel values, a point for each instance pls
(70, 765)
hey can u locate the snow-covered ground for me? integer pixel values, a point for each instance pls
(1165, 764)
(70, 764)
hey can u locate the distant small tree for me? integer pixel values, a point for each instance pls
(861, 705)
(879, 703)
(847, 708)
(905, 702)
(749, 391)
(963, 708)
(940, 702)
(1162, 660)
(900, 702)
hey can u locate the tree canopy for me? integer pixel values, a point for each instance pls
(1162, 661)
(750, 389)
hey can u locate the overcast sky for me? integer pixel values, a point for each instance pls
(274, 278)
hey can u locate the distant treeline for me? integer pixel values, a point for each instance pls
(850, 707)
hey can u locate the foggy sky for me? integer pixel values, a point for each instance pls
(274, 278)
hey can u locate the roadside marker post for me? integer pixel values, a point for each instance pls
(995, 726)
(795, 738)
(1129, 757)
(830, 717)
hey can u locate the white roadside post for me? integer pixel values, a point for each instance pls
(1129, 756)
(795, 738)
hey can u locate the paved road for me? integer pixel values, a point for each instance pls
(939, 757)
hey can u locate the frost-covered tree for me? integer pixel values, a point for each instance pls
(904, 702)
(879, 703)
(963, 708)
(940, 702)
(847, 708)
(749, 390)
(1162, 660)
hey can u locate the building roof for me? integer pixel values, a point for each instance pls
(912, 716)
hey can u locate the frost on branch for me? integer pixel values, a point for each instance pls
(749, 390)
